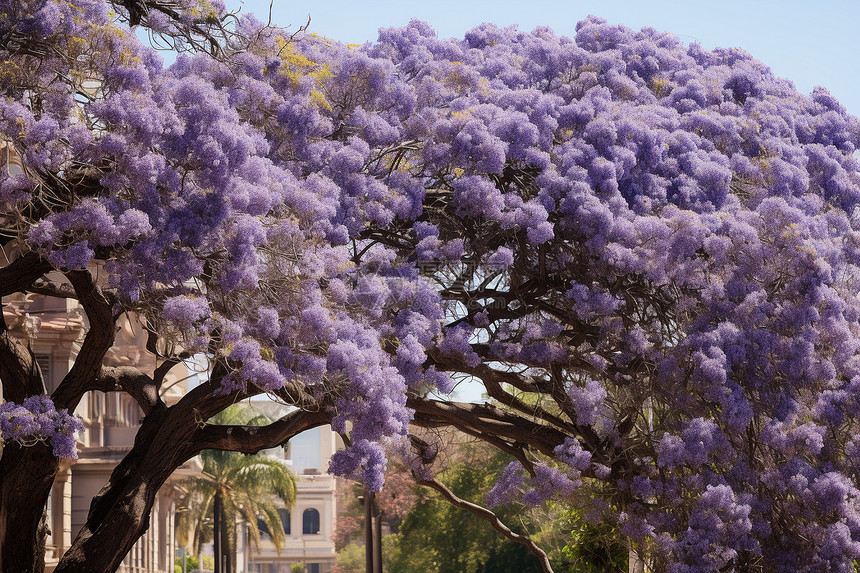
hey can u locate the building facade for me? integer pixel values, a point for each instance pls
(309, 524)
(54, 328)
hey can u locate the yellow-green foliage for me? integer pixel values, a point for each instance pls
(296, 66)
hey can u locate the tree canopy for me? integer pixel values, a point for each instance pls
(645, 251)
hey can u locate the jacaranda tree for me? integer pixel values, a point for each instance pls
(646, 252)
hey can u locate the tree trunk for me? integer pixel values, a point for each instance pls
(26, 477)
(119, 514)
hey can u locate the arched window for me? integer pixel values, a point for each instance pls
(311, 522)
(262, 527)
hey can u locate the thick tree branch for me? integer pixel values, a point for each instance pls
(48, 288)
(252, 439)
(19, 371)
(100, 337)
(494, 379)
(162, 370)
(20, 274)
(134, 382)
(485, 419)
(488, 516)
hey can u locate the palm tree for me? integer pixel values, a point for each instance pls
(233, 487)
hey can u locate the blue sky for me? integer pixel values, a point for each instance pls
(810, 43)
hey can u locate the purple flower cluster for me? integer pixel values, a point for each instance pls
(37, 420)
(508, 486)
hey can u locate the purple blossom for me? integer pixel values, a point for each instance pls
(502, 258)
(508, 485)
(549, 483)
(37, 420)
(363, 460)
(663, 236)
(456, 343)
(185, 312)
(572, 454)
(587, 401)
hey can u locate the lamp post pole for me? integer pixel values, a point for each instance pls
(216, 532)
(372, 533)
(377, 537)
(368, 530)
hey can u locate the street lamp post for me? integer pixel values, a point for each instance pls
(372, 533)
(216, 533)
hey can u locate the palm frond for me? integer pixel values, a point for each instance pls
(269, 515)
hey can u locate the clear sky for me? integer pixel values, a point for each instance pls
(809, 42)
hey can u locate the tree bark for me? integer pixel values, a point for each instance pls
(26, 473)
(26, 476)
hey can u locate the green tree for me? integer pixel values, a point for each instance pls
(438, 537)
(234, 487)
(192, 563)
(351, 559)
(575, 545)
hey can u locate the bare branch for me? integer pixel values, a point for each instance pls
(134, 382)
(493, 380)
(485, 419)
(56, 290)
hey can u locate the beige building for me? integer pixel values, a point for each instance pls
(55, 329)
(309, 524)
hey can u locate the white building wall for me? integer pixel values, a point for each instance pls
(315, 490)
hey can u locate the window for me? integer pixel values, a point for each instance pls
(312, 568)
(285, 519)
(311, 522)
